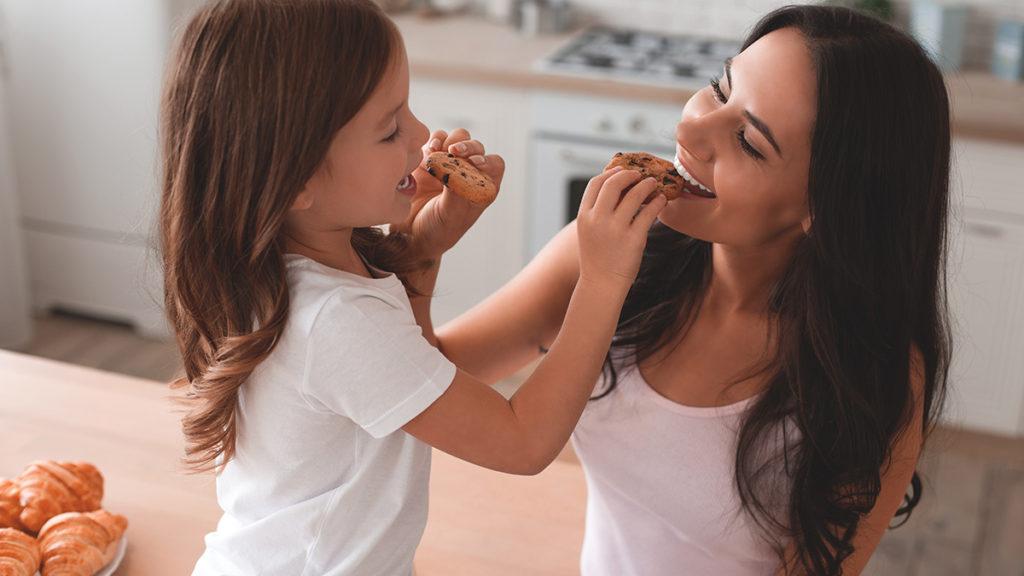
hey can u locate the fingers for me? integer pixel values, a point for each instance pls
(457, 135)
(467, 148)
(435, 142)
(631, 202)
(492, 165)
(645, 218)
(611, 192)
(594, 187)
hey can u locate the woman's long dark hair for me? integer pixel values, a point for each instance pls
(864, 287)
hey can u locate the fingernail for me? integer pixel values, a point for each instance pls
(435, 144)
(478, 160)
(459, 148)
(616, 169)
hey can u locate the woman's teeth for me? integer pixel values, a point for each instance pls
(405, 184)
(689, 178)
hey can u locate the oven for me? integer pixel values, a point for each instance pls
(572, 139)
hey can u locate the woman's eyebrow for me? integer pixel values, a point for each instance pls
(754, 120)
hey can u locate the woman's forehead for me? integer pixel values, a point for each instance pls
(774, 78)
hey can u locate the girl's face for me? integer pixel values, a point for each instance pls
(748, 141)
(365, 178)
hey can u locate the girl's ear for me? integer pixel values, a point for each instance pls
(304, 201)
(806, 224)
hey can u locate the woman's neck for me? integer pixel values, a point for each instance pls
(742, 278)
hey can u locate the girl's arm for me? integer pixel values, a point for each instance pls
(507, 330)
(895, 479)
(524, 434)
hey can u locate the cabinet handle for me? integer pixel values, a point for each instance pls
(984, 230)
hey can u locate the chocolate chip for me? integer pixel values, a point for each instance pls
(430, 170)
(444, 179)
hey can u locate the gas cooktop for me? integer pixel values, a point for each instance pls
(640, 56)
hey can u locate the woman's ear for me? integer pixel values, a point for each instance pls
(806, 224)
(303, 201)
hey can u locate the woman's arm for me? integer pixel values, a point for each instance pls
(895, 479)
(506, 331)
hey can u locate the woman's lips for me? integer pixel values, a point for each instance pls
(687, 186)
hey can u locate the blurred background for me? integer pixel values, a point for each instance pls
(556, 87)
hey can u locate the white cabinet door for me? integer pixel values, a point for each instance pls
(987, 306)
(491, 253)
(84, 86)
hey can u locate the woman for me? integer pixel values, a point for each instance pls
(783, 352)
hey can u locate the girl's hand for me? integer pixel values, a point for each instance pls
(612, 232)
(438, 217)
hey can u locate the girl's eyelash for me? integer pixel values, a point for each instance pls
(741, 137)
(394, 135)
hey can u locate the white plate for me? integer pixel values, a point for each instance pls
(108, 570)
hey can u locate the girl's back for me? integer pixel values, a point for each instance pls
(301, 472)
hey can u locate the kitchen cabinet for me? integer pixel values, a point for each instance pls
(986, 270)
(491, 253)
(84, 84)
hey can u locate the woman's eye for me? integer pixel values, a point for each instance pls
(717, 89)
(741, 135)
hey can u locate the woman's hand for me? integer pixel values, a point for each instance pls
(438, 217)
(612, 227)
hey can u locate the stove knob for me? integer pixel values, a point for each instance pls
(639, 125)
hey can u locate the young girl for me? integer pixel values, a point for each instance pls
(287, 137)
(784, 349)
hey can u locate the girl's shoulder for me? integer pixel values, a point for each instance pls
(321, 298)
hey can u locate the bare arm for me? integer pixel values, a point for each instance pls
(506, 331)
(524, 434)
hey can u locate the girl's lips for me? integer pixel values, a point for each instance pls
(407, 186)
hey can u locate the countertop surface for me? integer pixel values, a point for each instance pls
(473, 50)
(481, 522)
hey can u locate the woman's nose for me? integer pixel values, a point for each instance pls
(693, 136)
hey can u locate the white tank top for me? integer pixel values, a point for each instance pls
(661, 493)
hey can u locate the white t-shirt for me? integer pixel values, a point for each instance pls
(324, 481)
(661, 493)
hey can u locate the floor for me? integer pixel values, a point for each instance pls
(970, 521)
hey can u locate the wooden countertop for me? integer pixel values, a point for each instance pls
(474, 50)
(481, 522)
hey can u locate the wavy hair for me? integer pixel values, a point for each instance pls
(254, 93)
(864, 287)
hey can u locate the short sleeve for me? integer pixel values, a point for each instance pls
(367, 360)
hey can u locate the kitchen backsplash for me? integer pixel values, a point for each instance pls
(732, 18)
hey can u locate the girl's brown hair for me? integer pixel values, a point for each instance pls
(255, 91)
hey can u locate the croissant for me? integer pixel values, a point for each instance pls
(19, 553)
(80, 543)
(10, 504)
(49, 488)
